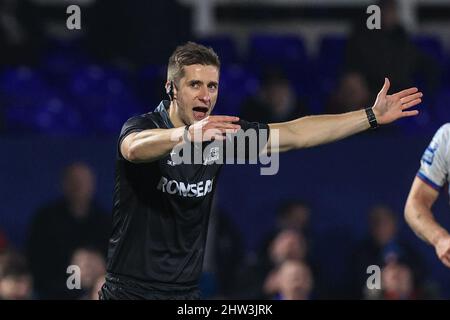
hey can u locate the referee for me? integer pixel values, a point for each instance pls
(161, 207)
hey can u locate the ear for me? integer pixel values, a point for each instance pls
(167, 86)
(174, 89)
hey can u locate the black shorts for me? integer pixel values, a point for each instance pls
(116, 288)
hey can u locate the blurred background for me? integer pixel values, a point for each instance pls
(309, 232)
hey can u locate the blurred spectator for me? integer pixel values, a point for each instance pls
(276, 101)
(294, 214)
(375, 54)
(397, 282)
(259, 279)
(20, 32)
(61, 227)
(294, 281)
(287, 245)
(15, 278)
(223, 257)
(92, 266)
(291, 214)
(288, 240)
(352, 94)
(383, 246)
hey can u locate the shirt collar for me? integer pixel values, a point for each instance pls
(162, 108)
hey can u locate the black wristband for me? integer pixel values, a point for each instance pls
(371, 118)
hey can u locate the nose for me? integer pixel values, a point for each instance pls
(204, 95)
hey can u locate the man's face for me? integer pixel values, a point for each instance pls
(91, 264)
(16, 287)
(196, 92)
(79, 183)
(383, 226)
(296, 281)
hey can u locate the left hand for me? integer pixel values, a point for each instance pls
(388, 108)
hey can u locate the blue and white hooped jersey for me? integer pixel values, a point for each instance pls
(435, 162)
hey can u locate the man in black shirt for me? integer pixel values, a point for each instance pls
(162, 206)
(61, 227)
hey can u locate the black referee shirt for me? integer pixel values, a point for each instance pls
(161, 211)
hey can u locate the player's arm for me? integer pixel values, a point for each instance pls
(150, 145)
(315, 130)
(153, 144)
(420, 218)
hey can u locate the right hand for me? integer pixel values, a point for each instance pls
(213, 128)
(443, 250)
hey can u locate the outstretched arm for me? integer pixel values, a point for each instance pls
(315, 130)
(420, 218)
(153, 144)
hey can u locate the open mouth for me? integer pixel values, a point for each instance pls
(200, 112)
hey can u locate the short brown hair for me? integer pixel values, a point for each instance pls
(189, 54)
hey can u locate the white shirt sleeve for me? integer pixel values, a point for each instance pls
(434, 165)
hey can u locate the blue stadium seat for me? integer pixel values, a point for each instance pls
(104, 98)
(57, 66)
(236, 84)
(287, 51)
(331, 55)
(441, 107)
(22, 85)
(51, 115)
(27, 98)
(150, 85)
(225, 47)
(430, 45)
(327, 68)
(56, 116)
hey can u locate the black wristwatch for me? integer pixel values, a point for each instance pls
(371, 118)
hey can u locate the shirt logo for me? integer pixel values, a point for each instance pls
(428, 155)
(199, 189)
(213, 156)
(171, 162)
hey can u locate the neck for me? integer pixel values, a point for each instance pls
(173, 115)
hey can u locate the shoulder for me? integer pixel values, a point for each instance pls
(442, 135)
(145, 120)
(151, 120)
(50, 210)
(444, 129)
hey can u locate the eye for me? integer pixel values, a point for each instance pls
(195, 85)
(212, 86)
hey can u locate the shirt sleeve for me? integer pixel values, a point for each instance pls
(434, 163)
(250, 140)
(134, 124)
